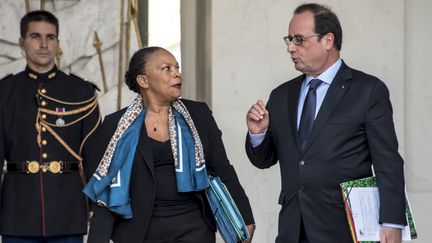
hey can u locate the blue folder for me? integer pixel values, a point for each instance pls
(229, 221)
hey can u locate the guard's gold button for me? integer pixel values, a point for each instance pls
(44, 155)
(43, 103)
(44, 142)
(43, 91)
(43, 116)
(43, 129)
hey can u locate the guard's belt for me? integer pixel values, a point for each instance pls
(33, 166)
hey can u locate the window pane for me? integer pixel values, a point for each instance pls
(164, 25)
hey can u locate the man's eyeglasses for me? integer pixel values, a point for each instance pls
(297, 39)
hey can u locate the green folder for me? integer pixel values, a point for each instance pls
(361, 186)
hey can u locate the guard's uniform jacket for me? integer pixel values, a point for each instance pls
(46, 126)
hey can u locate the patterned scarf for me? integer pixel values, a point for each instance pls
(109, 185)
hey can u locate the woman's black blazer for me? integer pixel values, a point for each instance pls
(104, 225)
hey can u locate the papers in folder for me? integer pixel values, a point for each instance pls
(229, 221)
(361, 199)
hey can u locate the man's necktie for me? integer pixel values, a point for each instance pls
(308, 113)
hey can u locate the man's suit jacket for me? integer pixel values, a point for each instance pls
(353, 130)
(105, 225)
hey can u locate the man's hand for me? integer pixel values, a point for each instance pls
(390, 235)
(251, 230)
(257, 118)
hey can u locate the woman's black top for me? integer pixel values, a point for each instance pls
(168, 201)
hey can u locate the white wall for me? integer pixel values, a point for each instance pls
(418, 113)
(386, 38)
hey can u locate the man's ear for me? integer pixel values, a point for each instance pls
(21, 42)
(329, 39)
(142, 81)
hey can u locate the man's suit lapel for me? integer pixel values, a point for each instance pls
(144, 148)
(293, 98)
(335, 92)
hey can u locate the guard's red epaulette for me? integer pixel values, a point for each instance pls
(86, 80)
(6, 76)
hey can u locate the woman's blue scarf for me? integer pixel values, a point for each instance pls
(110, 184)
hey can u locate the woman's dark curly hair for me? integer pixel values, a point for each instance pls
(137, 66)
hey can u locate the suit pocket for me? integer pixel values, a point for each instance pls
(334, 197)
(285, 197)
(341, 120)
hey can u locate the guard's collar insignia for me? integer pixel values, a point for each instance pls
(41, 76)
(32, 76)
(52, 75)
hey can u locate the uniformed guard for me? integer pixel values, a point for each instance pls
(47, 122)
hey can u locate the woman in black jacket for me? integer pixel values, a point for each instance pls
(155, 157)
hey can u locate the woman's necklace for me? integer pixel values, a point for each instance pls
(155, 127)
(155, 122)
(156, 118)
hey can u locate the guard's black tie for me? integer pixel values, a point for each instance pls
(308, 113)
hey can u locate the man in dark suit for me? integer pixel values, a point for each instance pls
(47, 119)
(327, 126)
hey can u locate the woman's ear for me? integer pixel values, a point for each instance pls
(142, 81)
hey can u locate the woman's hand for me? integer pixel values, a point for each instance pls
(251, 230)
